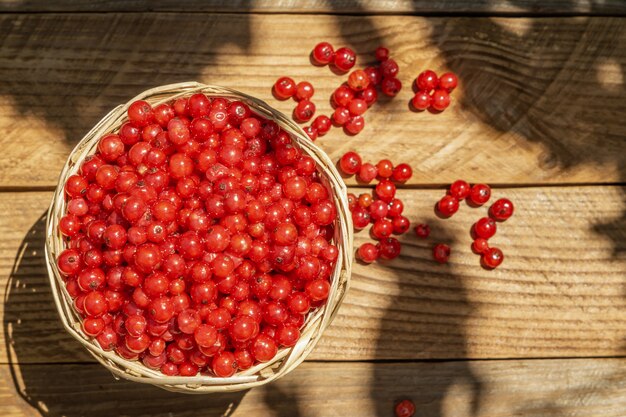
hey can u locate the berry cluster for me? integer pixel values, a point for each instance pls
(432, 91)
(351, 99)
(482, 230)
(198, 238)
(382, 209)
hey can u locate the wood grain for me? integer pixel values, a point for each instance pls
(539, 388)
(559, 292)
(540, 98)
(518, 7)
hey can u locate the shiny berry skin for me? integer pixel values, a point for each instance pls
(385, 168)
(323, 53)
(382, 228)
(318, 289)
(354, 125)
(385, 190)
(367, 252)
(421, 100)
(501, 209)
(480, 245)
(479, 194)
(396, 207)
(448, 81)
(427, 81)
(441, 253)
(440, 100)
(341, 116)
(390, 86)
(299, 303)
(422, 231)
(389, 248)
(402, 173)
(284, 88)
(243, 328)
(447, 206)
(378, 209)
(322, 124)
(360, 218)
(381, 53)
(350, 163)
(76, 186)
(140, 113)
(287, 335)
(95, 304)
(492, 257)
(485, 228)
(93, 326)
(345, 58)
(405, 408)
(459, 189)
(342, 96)
(264, 348)
(304, 90)
(358, 80)
(367, 173)
(369, 95)
(389, 68)
(110, 147)
(357, 107)
(304, 111)
(224, 364)
(401, 225)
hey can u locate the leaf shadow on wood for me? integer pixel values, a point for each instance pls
(564, 90)
(107, 60)
(31, 329)
(431, 311)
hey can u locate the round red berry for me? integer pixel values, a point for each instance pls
(284, 88)
(358, 80)
(304, 111)
(389, 248)
(323, 53)
(367, 173)
(354, 125)
(485, 228)
(367, 252)
(479, 194)
(447, 206)
(402, 173)
(448, 81)
(390, 86)
(441, 253)
(422, 231)
(382, 53)
(427, 81)
(405, 408)
(501, 209)
(440, 100)
(421, 100)
(459, 189)
(492, 257)
(304, 90)
(345, 58)
(480, 245)
(350, 163)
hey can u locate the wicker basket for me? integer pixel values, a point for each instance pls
(317, 321)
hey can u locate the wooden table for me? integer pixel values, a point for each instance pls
(540, 115)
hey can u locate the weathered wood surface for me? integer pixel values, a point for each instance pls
(559, 292)
(518, 7)
(521, 388)
(541, 99)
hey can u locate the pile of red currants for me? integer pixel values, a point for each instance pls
(198, 238)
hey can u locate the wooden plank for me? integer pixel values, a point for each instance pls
(525, 7)
(558, 293)
(539, 100)
(541, 388)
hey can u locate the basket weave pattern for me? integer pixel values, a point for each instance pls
(317, 321)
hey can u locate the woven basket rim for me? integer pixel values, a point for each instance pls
(287, 359)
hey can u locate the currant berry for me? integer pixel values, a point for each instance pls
(322, 124)
(385, 168)
(479, 194)
(390, 86)
(447, 206)
(459, 189)
(304, 90)
(422, 231)
(448, 81)
(367, 252)
(389, 68)
(323, 53)
(304, 111)
(284, 88)
(341, 116)
(480, 245)
(385, 190)
(381, 53)
(367, 173)
(427, 81)
(345, 58)
(492, 257)
(421, 100)
(354, 125)
(440, 100)
(485, 228)
(358, 80)
(441, 253)
(402, 173)
(405, 408)
(350, 163)
(389, 248)
(501, 209)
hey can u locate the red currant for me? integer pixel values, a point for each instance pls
(350, 163)
(479, 194)
(284, 88)
(354, 125)
(382, 53)
(323, 53)
(480, 245)
(447, 206)
(402, 173)
(367, 173)
(427, 81)
(304, 111)
(459, 189)
(485, 228)
(367, 252)
(304, 90)
(501, 209)
(322, 124)
(440, 100)
(441, 253)
(422, 231)
(421, 101)
(492, 257)
(390, 86)
(389, 248)
(345, 58)
(358, 80)
(405, 408)
(448, 81)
